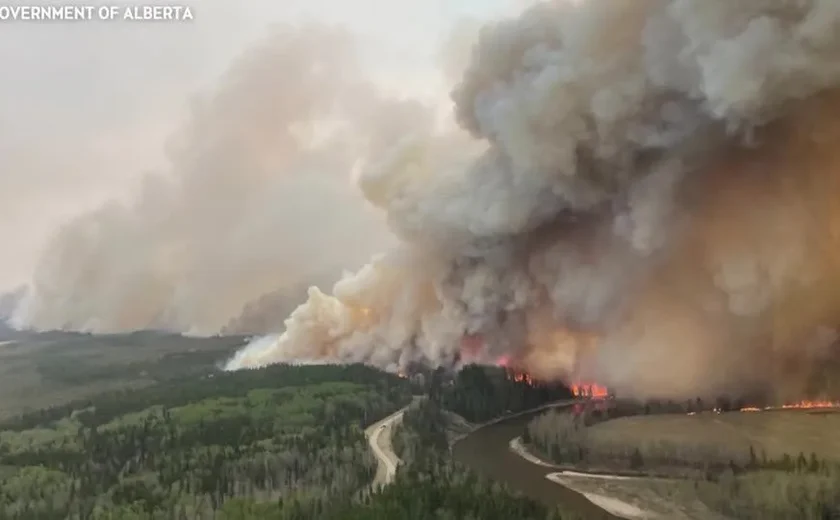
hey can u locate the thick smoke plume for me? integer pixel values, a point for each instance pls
(651, 203)
(257, 200)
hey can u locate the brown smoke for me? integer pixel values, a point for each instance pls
(659, 175)
(641, 193)
(753, 273)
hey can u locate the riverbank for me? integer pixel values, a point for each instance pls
(613, 505)
(486, 450)
(625, 474)
(628, 496)
(467, 428)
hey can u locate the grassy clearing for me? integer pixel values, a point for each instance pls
(775, 432)
(773, 465)
(38, 371)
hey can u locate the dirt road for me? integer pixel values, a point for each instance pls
(379, 438)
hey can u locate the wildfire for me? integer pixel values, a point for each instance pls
(590, 390)
(813, 404)
(523, 377)
(801, 405)
(472, 346)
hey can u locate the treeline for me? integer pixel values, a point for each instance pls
(479, 393)
(565, 439)
(422, 432)
(741, 484)
(66, 359)
(282, 443)
(105, 407)
(774, 494)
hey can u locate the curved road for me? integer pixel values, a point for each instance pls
(379, 438)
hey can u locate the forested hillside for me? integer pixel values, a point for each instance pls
(284, 442)
(287, 441)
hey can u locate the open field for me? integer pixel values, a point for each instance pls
(41, 370)
(776, 464)
(775, 432)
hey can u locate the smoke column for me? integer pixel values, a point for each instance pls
(258, 199)
(650, 201)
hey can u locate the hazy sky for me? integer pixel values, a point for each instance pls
(86, 108)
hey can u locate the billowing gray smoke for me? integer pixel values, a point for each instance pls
(650, 203)
(8, 302)
(258, 198)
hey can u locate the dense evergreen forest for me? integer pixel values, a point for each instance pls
(284, 442)
(288, 443)
(289, 438)
(480, 394)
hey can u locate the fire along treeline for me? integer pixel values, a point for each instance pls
(653, 208)
(639, 193)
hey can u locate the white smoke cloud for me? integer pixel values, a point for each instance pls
(622, 169)
(273, 146)
(250, 202)
(101, 98)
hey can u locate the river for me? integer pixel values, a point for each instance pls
(487, 451)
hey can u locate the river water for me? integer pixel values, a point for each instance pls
(487, 451)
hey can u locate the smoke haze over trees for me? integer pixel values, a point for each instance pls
(68, 91)
(656, 174)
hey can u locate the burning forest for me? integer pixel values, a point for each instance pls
(634, 196)
(654, 208)
(800, 405)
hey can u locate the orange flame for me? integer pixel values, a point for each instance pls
(813, 404)
(523, 377)
(516, 375)
(590, 390)
(801, 405)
